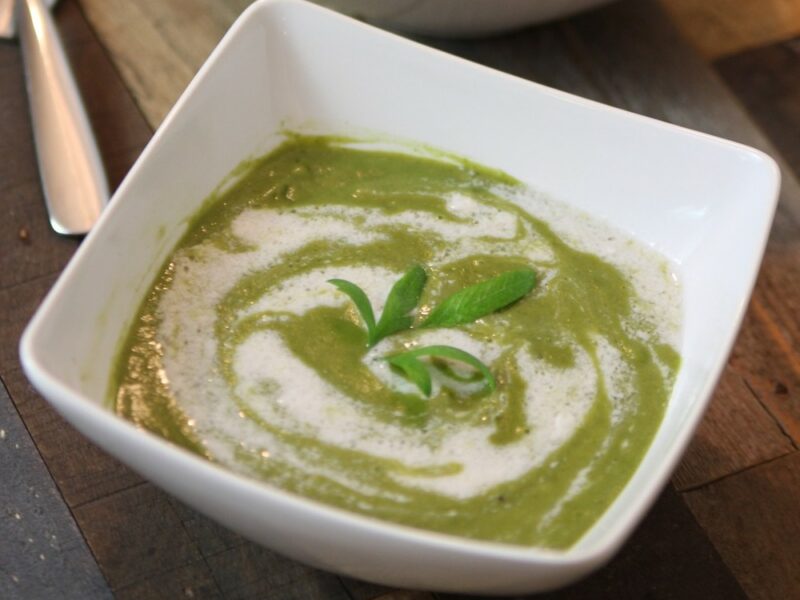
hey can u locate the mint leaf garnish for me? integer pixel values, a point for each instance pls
(415, 370)
(463, 307)
(481, 299)
(361, 301)
(402, 299)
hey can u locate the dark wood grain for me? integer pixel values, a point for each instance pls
(17, 305)
(405, 595)
(764, 355)
(190, 581)
(723, 27)
(668, 557)
(158, 548)
(364, 590)
(82, 471)
(244, 570)
(760, 539)
(249, 571)
(767, 80)
(736, 433)
(39, 252)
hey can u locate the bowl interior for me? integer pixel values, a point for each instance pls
(704, 203)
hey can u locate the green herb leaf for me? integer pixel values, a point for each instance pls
(481, 299)
(446, 369)
(413, 369)
(402, 299)
(417, 372)
(361, 301)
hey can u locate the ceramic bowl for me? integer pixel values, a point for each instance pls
(459, 18)
(705, 203)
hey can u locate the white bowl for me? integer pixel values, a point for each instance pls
(705, 203)
(459, 18)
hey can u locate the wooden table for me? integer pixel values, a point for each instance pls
(74, 523)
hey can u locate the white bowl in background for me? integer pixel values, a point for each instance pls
(705, 203)
(459, 18)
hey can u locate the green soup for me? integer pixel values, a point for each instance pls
(244, 353)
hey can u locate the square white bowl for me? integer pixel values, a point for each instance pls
(705, 203)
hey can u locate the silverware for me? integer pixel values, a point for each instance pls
(73, 179)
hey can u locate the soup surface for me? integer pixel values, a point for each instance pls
(245, 353)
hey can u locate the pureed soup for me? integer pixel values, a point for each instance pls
(245, 352)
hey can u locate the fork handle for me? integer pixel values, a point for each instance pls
(73, 180)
